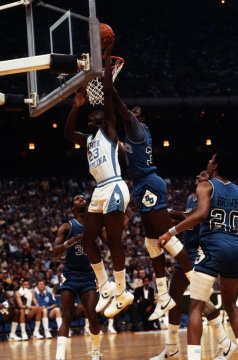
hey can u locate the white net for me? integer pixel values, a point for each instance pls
(95, 87)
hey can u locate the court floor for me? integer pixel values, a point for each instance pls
(123, 346)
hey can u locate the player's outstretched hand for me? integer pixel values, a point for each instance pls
(80, 97)
(163, 239)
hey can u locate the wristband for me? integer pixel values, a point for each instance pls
(173, 231)
(66, 244)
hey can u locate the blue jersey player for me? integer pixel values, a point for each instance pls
(77, 278)
(110, 198)
(179, 283)
(150, 193)
(217, 214)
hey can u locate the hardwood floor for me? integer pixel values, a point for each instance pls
(123, 346)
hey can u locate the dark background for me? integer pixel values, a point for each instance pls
(175, 51)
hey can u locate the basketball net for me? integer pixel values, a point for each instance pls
(95, 87)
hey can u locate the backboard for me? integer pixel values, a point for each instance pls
(69, 63)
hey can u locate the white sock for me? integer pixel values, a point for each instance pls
(61, 347)
(58, 322)
(23, 328)
(110, 323)
(86, 326)
(194, 352)
(120, 280)
(14, 327)
(172, 336)
(45, 323)
(100, 273)
(95, 341)
(37, 326)
(161, 285)
(218, 329)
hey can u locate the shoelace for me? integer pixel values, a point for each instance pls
(95, 353)
(219, 352)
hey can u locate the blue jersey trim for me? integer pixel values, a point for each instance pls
(113, 157)
(109, 180)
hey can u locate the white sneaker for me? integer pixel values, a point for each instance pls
(167, 355)
(37, 335)
(48, 334)
(222, 353)
(111, 330)
(119, 303)
(24, 337)
(95, 355)
(164, 304)
(106, 293)
(14, 337)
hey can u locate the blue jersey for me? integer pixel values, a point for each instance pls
(76, 260)
(219, 233)
(45, 299)
(222, 220)
(139, 156)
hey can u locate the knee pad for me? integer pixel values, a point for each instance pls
(209, 308)
(201, 285)
(173, 246)
(153, 248)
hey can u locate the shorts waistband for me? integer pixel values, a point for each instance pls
(109, 181)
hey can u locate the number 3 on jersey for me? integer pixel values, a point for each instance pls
(149, 199)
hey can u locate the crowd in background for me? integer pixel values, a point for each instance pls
(31, 212)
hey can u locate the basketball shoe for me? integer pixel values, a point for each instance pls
(164, 304)
(37, 335)
(119, 303)
(106, 292)
(95, 355)
(14, 337)
(166, 354)
(223, 353)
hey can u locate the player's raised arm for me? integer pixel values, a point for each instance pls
(69, 130)
(121, 107)
(109, 116)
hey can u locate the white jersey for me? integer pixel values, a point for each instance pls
(103, 159)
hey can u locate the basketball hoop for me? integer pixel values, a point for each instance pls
(95, 87)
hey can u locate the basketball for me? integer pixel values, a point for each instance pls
(107, 35)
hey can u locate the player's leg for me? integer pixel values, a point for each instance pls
(45, 322)
(200, 290)
(55, 314)
(89, 301)
(93, 225)
(156, 222)
(215, 321)
(114, 224)
(67, 304)
(36, 313)
(229, 291)
(178, 285)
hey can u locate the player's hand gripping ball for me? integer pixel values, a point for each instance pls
(107, 35)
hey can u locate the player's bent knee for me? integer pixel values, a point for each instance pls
(201, 285)
(173, 246)
(209, 308)
(152, 247)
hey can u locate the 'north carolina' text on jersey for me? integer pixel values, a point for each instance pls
(103, 158)
(139, 156)
(223, 215)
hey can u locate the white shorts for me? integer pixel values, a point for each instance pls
(110, 197)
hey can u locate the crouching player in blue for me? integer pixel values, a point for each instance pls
(77, 278)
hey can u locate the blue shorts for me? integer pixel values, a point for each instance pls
(219, 256)
(150, 193)
(77, 282)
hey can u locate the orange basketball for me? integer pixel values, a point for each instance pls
(107, 35)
